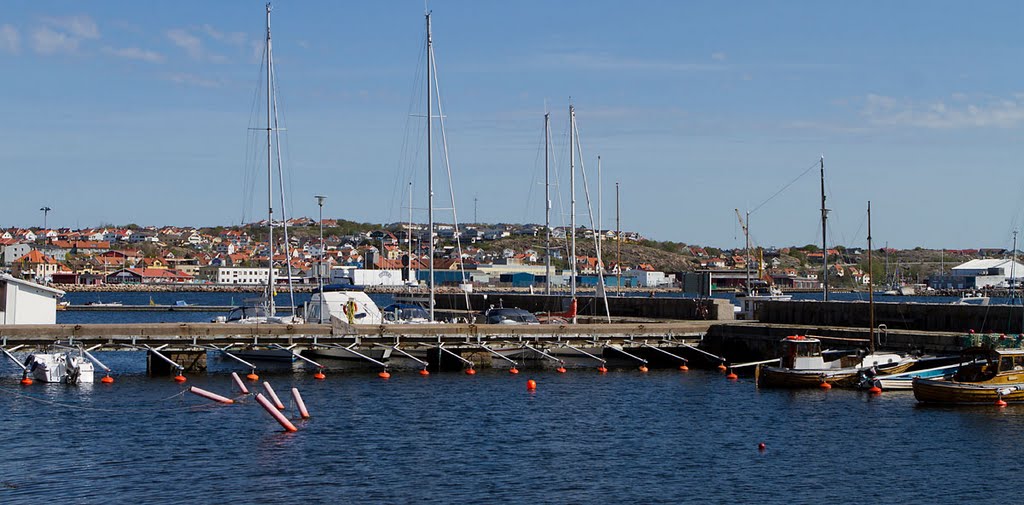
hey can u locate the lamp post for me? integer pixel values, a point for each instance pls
(320, 266)
(46, 210)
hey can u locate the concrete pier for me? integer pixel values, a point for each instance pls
(896, 316)
(672, 308)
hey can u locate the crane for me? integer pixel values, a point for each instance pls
(746, 235)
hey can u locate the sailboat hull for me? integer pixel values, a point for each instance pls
(966, 393)
(778, 377)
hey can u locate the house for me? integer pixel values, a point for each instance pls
(35, 265)
(12, 250)
(24, 302)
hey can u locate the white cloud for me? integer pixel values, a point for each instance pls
(10, 39)
(193, 45)
(233, 38)
(718, 56)
(79, 27)
(965, 111)
(604, 61)
(135, 53)
(194, 80)
(47, 41)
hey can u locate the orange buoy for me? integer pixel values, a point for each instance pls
(252, 376)
(875, 390)
(732, 376)
(25, 381)
(560, 369)
(384, 375)
(1000, 402)
(107, 380)
(531, 385)
(602, 369)
(319, 375)
(470, 371)
(761, 447)
(424, 372)
(643, 368)
(722, 367)
(684, 368)
(513, 370)
(179, 378)
(825, 385)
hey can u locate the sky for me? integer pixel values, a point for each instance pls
(144, 112)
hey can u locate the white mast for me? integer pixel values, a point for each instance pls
(270, 181)
(547, 207)
(572, 205)
(824, 238)
(430, 174)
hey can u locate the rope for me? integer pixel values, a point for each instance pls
(790, 183)
(25, 396)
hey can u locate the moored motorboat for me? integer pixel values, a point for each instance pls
(804, 365)
(60, 367)
(985, 375)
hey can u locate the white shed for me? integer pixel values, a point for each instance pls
(25, 302)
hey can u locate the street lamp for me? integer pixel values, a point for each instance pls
(46, 210)
(320, 267)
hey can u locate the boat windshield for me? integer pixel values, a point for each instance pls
(510, 316)
(240, 313)
(799, 349)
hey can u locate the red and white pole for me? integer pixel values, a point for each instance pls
(276, 414)
(299, 403)
(239, 383)
(273, 396)
(210, 396)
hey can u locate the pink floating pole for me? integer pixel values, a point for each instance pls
(298, 402)
(273, 396)
(288, 426)
(210, 396)
(239, 383)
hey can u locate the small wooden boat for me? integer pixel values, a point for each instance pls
(985, 376)
(803, 365)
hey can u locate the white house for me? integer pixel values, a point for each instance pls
(648, 279)
(980, 273)
(25, 302)
(243, 275)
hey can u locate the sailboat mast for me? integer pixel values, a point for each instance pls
(572, 204)
(270, 179)
(547, 207)
(430, 170)
(824, 236)
(618, 242)
(746, 263)
(871, 288)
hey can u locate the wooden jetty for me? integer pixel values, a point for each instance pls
(471, 343)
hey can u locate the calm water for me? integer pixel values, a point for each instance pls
(662, 437)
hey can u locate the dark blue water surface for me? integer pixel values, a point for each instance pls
(625, 437)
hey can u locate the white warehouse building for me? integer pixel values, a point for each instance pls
(24, 302)
(243, 275)
(981, 273)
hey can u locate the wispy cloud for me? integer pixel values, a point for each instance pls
(959, 111)
(193, 45)
(10, 39)
(47, 41)
(718, 56)
(135, 53)
(63, 34)
(233, 38)
(194, 80)
(80, 26)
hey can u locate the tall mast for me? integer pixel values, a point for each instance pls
(824, 237)
(572, 204)
(618, 242)
(270, 180)
(746, 263)
(600, 207)
(430, 169)
(547, 207)
(871, 288)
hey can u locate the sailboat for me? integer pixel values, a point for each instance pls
(803, 364)
(263, 309)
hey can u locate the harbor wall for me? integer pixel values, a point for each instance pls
(895, 316)
(636, 307)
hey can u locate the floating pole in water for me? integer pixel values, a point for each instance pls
(407, 355)
(299, 403)
(283, 421)
(210, 396)
(754, 363)
(676, 356)
(297, 355)
(224, 351)
(506, 358)
(546, 355)
(156, 352)
(273, 395)
(721, 367)
(238, 382)
(106, 379)
(15, 360)
(638, 358)
(585, 353)
(460, 358)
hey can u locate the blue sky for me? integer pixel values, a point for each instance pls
(124, 111)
